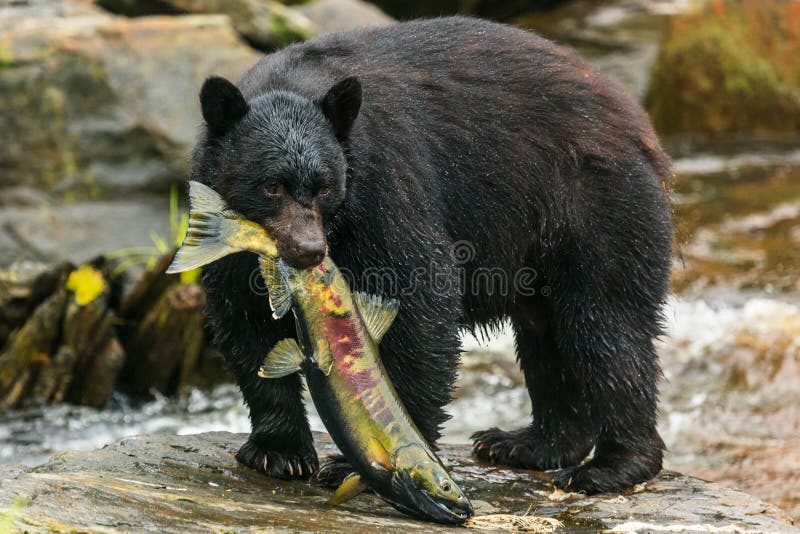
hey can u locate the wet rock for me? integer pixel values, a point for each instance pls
(730, 403)
(405, 9)
(103, 104)
(80, 231)
(737, 224)
(729, 69)
(266, 24)
(193, 483)
(620, 38)
(342, 15)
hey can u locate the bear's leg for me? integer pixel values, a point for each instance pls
(593, 378)
(629, 449)
(562, 431)
(607, 310)
(280, 444)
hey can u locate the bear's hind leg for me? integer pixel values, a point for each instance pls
(562, 432)
(606, 315)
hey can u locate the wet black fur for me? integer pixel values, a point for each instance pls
(469, 131)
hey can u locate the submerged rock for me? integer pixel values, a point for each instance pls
(166, 483)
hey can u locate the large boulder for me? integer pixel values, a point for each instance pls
(105, 104)
(164, 483)
(328, 16)
(266, 24)
(732, 68)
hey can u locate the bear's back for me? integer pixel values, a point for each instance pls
(428, 54)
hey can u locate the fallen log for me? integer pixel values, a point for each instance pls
(165, 347)
(89, 334)
(29, 348)
(23, 286)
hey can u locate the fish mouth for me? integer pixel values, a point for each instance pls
(420, 503)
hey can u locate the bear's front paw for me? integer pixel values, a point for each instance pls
(278, 464)
(332, 472)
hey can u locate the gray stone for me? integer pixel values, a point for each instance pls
(265, 24)
(165, 483)
(80, 231)
(96, 103)
(341, 15)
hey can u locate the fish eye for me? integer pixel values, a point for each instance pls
(446, 486)
(274, 190)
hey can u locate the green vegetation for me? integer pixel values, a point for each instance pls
(149, 256)
(10, 515)
(732, 68)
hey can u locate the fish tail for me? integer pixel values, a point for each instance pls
(203, 243)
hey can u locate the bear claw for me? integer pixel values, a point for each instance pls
(278, 464)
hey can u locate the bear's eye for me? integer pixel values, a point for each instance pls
(324, 190)
(274, 190)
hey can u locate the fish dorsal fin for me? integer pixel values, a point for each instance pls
(202, 243)
(323, 356)
(379, 456)
(280, 296)
(284, 359)
(378, 314)
(351, 487)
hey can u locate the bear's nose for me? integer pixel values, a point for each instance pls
(306, 253)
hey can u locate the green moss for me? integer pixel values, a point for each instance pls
(286, 32)
(6, 59)
(727, 70)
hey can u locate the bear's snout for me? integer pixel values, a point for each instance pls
(305, 253)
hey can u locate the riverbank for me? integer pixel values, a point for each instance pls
(164, 483)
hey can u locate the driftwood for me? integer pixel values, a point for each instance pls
(29, 348)
(168, 341)
(90, 337)
(66, 335)
(148, 290)
(23, 287)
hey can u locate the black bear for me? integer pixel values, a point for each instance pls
(478, 173)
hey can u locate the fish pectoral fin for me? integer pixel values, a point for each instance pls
(208, 225)
(323, 357)
(352, 486)
(280, 295)
(284, 359)
(377, 313)
(379, 455)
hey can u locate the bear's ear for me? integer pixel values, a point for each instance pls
(222, 104)
(341, 104)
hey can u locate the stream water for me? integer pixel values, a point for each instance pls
(731, 356)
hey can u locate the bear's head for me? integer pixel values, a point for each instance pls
(278, 159)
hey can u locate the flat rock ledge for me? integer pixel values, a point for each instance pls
(165, 483)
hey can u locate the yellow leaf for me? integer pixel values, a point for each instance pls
(87, 283)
